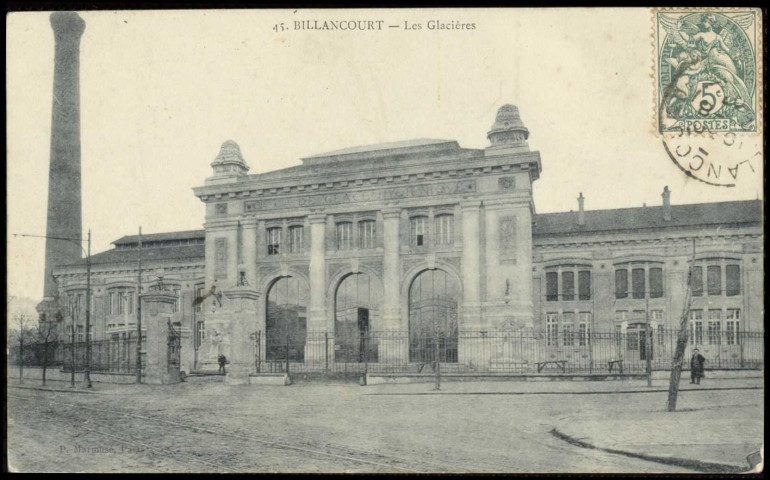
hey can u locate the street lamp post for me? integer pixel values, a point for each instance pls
(78, 242)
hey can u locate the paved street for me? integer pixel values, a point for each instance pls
(479, 427)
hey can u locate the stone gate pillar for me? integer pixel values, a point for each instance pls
(242, 307)
(156, 311)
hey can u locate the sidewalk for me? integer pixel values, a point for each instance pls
(712, 433)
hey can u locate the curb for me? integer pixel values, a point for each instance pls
(71, 390)
(697, 465)
(605, 392)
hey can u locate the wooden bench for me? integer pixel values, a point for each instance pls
(562, 364)
(612, 363)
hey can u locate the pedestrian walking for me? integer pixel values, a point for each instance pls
(696, 366)
(222, 361)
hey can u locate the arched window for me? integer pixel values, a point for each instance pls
(286, 319)
(356, 315)
(433, 297)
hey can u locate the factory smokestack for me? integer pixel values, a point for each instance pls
(64, 202)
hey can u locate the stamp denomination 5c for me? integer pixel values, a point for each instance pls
(707, 70)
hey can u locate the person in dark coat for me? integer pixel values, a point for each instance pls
(222, 361)
(696, 366)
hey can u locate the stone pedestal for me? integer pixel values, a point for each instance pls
(229, 332)
(156, 313)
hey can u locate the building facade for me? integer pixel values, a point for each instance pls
(425, 236)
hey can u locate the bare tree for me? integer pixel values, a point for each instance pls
(46, 337)
(681, 340)
(22, 320)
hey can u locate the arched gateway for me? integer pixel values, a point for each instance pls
(433, 307)
(286, 319)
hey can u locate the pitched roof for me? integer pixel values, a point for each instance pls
(403, 144)
(691, 215)
(152, 254)
(156, 237)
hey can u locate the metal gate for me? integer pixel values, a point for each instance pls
(174, 350)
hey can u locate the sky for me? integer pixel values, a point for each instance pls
(161, 91)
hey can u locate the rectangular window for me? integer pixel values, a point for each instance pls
(732, 326)
(584, 329)
(584, 285)
(733, 280)
(112, 307)
(696, 327)
(569, 330)
(344, 235)
(632, 340)
(367, 234)
(551, 286)
(175, 306)
(552, 329)
(637, 279)
(273, 241)
(419, 231)
(201, 333)
(568, 286)
(121, 303)
(656, 315)
(661, 335)
(656, 282)
(296, 239)
(130, 301)
(696, 281)
(713, 332)
(621, 315)
(199, 294)
(714, 279)
(621, 283)
(444, 234)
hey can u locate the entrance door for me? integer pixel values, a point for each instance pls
(637, 340)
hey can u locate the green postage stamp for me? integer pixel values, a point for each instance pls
(708, 70)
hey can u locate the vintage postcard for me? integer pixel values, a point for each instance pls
(376, 241)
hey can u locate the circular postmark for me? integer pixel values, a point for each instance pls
(718, 159)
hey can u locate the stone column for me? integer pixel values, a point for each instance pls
(393, 341)
(156, 310)
(250, 252)
(240, 346)
(316, 322)
(469, 346)
(471, 317)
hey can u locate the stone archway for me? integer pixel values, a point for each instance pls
(433, 306)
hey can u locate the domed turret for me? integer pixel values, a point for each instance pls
(229, 161)
(508, 129)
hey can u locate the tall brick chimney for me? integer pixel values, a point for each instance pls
(666, 204)
(64, 203)
(581, 212)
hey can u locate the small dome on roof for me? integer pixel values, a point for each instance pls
(508, 129)
(229, 159)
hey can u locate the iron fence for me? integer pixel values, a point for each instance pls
(107, 356)
(499, 351)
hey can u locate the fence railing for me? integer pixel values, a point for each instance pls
(108, 356)
(497, 351)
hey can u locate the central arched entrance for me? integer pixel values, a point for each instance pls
(286, 320)
(433, 306)
(356, 312)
